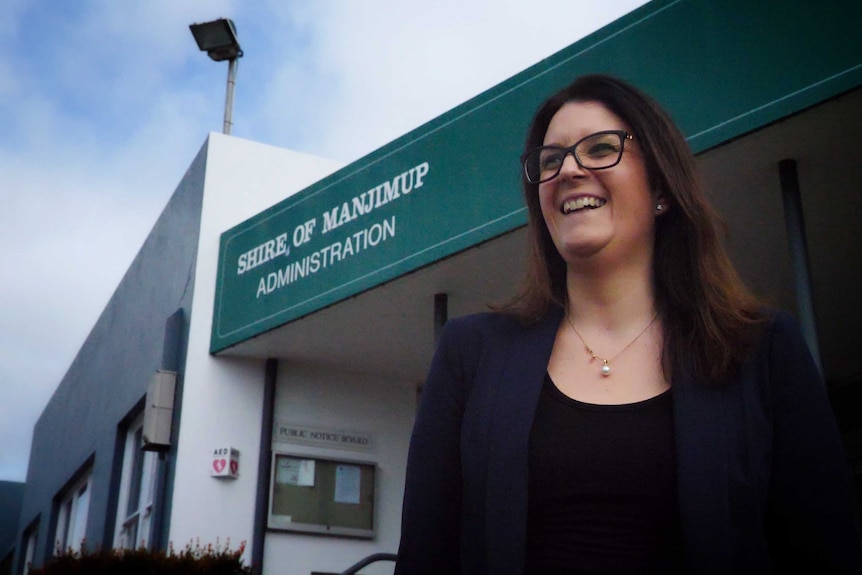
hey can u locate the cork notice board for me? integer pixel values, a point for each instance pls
(316, 495)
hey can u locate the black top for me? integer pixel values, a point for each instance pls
(602, 487)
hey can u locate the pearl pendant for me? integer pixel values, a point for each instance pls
(606, 369)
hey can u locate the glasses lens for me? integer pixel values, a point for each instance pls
(600, 150)
(543, 163)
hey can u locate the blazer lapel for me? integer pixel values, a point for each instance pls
(525, 360)
(702, 473)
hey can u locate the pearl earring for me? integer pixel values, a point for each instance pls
(659, 207)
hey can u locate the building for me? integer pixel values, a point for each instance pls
(11, 496)
(293, 303)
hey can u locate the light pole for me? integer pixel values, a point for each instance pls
(218, 39)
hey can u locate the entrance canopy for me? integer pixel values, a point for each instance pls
(352, 263)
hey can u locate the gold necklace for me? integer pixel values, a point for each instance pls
(606, 363)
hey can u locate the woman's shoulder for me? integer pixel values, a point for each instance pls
(781, 329)
(493, 336)
(496, 324)
(784, 351)
(483, 321)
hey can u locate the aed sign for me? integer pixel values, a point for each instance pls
(224, 462)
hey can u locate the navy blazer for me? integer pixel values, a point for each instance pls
(762, 478)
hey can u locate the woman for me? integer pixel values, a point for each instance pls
(634, 410)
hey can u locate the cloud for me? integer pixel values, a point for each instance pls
(100, 136)
(112, 100)
(348, 77)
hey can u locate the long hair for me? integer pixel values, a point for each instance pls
(708, 314)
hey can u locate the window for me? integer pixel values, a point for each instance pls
(30, 539)
(72, 516)
(137, 490)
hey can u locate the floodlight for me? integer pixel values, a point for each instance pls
(218, 39)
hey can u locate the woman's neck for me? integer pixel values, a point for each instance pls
(610, 299)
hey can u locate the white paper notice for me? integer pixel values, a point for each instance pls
(347, 484)
(295, 472)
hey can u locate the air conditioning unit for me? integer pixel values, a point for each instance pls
(159, 412)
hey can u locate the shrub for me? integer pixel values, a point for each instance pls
(193, 560)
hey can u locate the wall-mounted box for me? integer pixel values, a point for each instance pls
(159, 412)
(225, 462)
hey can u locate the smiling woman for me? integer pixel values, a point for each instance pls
(614, 185)
(634, 409)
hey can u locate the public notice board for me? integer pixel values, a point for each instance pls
(326, 496)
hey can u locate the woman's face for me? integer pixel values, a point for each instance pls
(608, 213)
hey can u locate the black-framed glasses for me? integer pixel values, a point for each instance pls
(597, 151)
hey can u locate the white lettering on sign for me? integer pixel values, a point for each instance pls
(263, 253)
(378, 196)
(302, 233)
(327, 256)
(304, 266)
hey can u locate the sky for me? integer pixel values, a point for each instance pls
(105, 103)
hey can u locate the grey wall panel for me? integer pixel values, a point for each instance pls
(109, 376)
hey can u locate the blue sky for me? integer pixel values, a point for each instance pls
(104, 104)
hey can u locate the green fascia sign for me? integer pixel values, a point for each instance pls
(722, 68)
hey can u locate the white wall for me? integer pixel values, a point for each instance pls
(222, 397)
(317, 397)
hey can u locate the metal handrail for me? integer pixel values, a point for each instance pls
(354, 569)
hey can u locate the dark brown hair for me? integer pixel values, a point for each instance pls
(707, 312)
